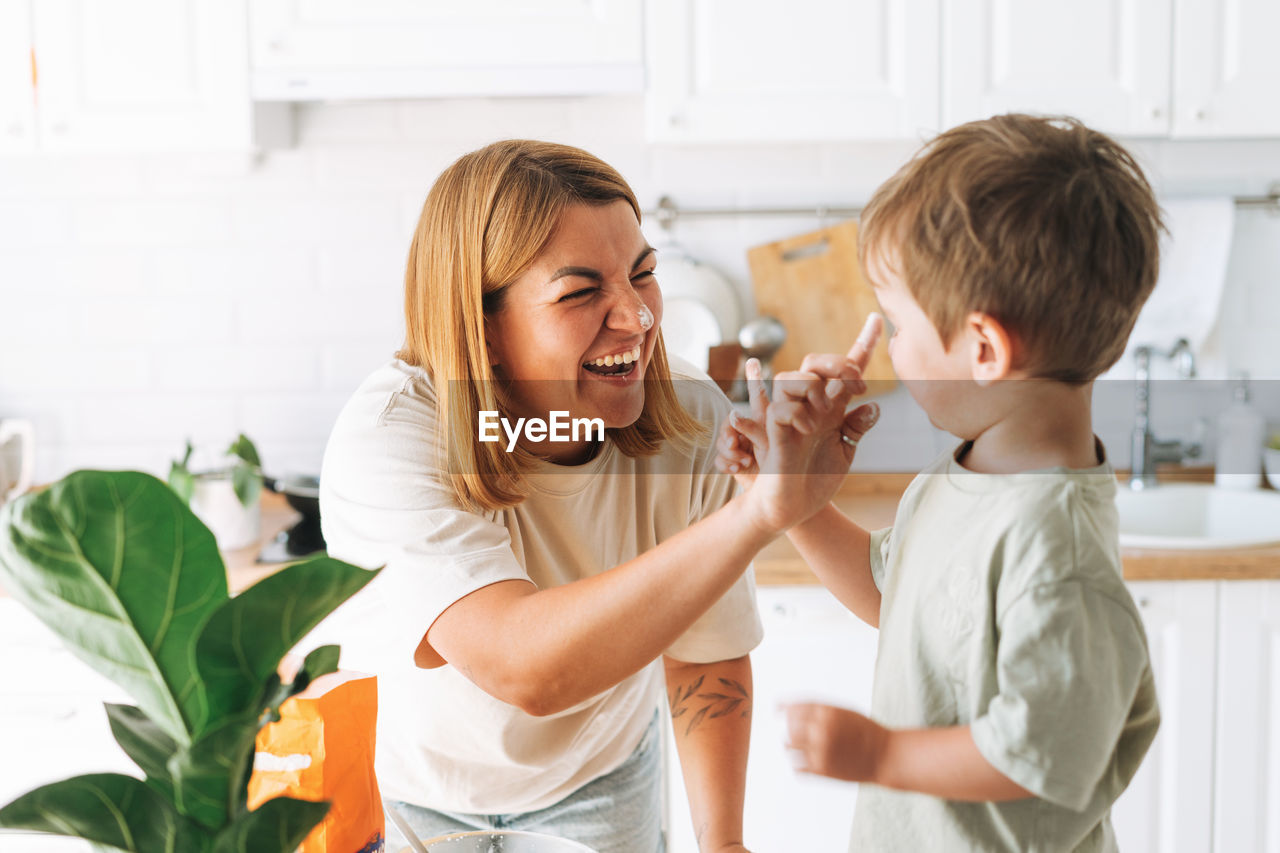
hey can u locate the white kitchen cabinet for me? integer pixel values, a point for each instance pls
(1169, 805)
(322, 49)
(813, 649)
(17, 93)
(1247, 773)
(130, 75)
(1104, 61)
(141, 74)
(755, 71)
(1227, 70)
(1164, 68)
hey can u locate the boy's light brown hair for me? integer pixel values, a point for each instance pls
(1049, 227)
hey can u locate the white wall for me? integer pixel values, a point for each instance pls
(147, 299)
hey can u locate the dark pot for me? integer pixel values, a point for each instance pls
(304, 539)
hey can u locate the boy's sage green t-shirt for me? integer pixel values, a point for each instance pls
(1003, 609)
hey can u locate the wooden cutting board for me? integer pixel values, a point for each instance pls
(814, 285)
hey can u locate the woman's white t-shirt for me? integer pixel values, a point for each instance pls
(444, 743)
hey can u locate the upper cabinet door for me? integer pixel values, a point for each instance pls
(312, 49)
(1105, 62)
(17, 114)
(141, 75)
(752, 71)
(1227, 71)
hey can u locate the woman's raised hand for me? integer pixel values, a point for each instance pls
(803, 438)
(741, 437)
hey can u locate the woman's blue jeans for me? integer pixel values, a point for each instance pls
(620, 812)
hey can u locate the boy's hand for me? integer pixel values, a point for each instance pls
(835, 742)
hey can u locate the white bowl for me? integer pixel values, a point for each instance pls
(503, 841)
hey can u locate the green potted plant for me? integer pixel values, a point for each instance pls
(119, 567)
(223, 490)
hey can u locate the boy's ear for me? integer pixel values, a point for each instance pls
(991, 348)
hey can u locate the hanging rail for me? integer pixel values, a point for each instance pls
(667, 212)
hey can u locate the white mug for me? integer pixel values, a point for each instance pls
(17, 457)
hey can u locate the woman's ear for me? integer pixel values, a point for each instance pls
(991, 348)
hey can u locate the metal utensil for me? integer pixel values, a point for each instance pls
(403, 825)
(761, 339)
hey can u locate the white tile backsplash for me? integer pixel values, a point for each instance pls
(151, 222)
(147, 299)
(238, 271)
(72, 370)
(169, 321)
(31, 223)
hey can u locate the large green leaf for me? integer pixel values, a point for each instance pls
(244, 640)
(145, 743)
(108, 809)
(211, 775)
(279, 824)
(118, 567)
(121, 570)
(208, 780)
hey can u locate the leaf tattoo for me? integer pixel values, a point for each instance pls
(721, 702)
(678, 701)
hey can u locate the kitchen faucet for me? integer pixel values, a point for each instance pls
(1148, 451)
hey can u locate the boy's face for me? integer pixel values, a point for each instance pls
(938, 378)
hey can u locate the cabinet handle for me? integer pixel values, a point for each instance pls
(1156, 112)
(1144, 603)
(1200, 115)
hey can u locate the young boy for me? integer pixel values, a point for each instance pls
(1013, 697)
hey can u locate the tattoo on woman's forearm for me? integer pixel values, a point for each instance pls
(721, 702)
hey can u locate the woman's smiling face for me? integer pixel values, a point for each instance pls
(588, 298)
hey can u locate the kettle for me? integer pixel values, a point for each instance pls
(17, 457)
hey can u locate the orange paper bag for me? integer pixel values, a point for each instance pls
(321, 748)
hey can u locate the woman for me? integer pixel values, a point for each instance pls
(539, 594)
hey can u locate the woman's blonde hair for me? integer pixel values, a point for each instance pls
(485, 220)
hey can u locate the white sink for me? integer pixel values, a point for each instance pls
(1189, 516)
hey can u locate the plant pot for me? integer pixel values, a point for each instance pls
(305, 538)
(233, 524)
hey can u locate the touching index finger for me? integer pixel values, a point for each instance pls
(860, 352)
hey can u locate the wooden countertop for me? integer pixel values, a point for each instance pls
(871, 500)
(243, 568)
